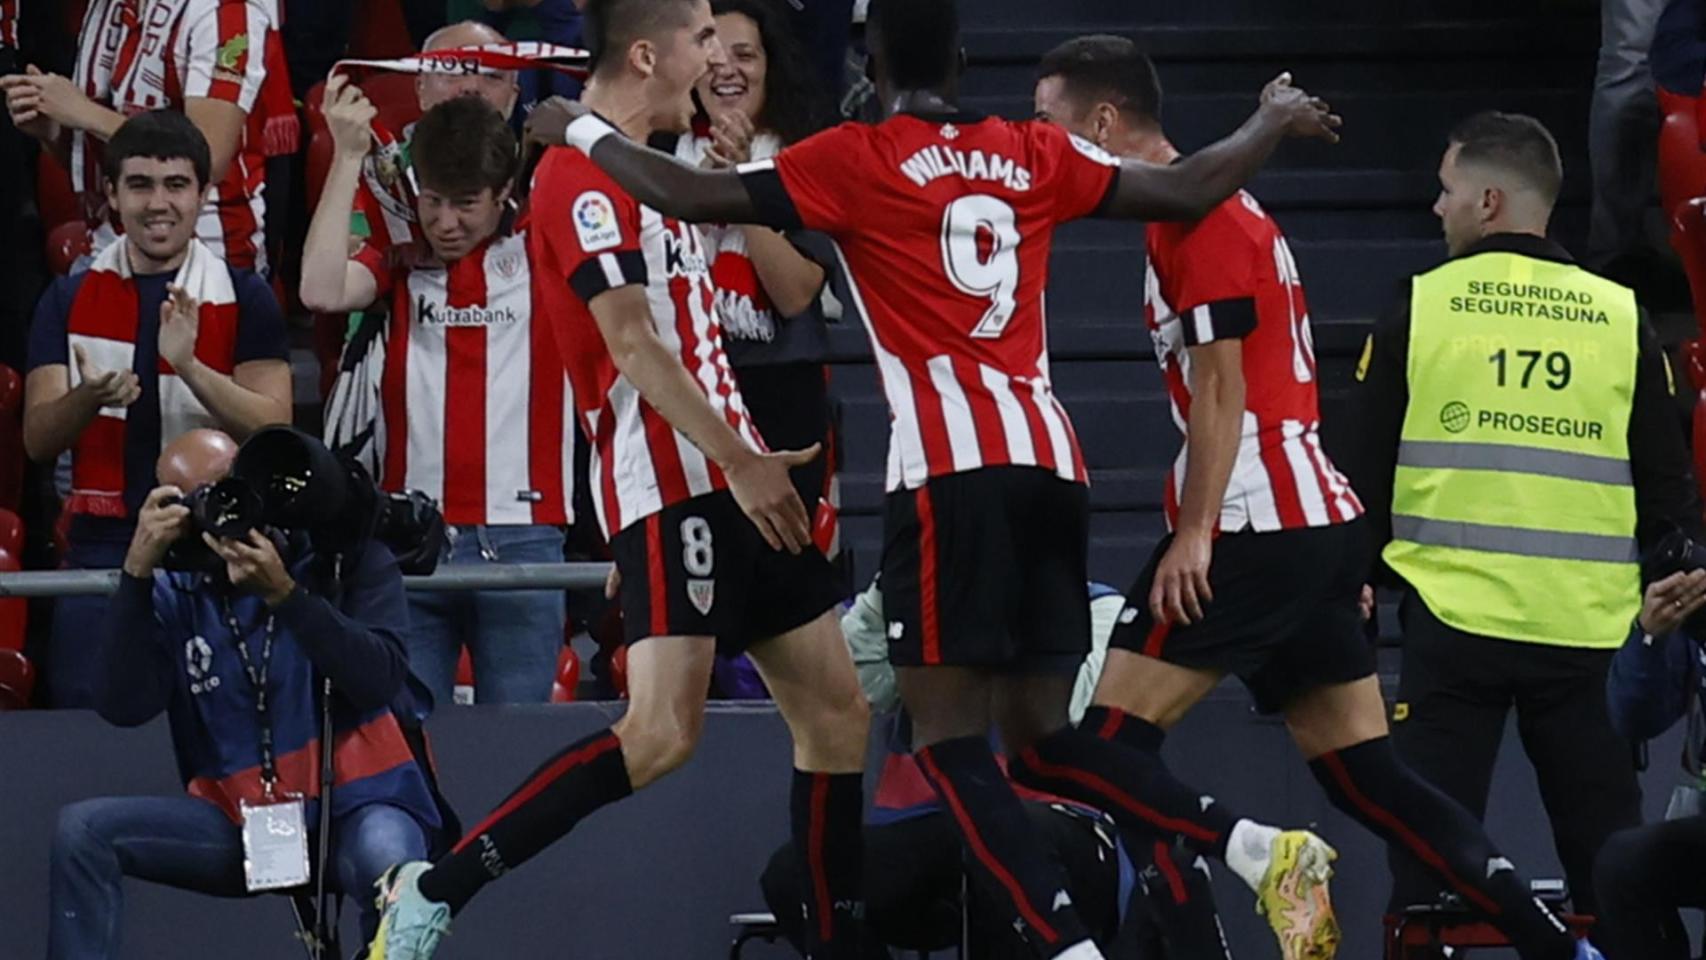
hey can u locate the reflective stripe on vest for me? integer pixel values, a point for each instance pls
(1513, 505)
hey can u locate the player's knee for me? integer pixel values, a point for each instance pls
(657, 743)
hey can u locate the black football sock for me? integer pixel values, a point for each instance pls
(1370, 784)
(1091, 763)
(562, 792)
(1008, 858)
(827, 819)
(1180, 898)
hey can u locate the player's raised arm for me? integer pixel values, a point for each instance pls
(1189, 189)
(658, 180)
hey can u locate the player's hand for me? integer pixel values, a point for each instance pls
(253, 565)
(548, 123)
(24, 105)
(766, 494)
(349, 116)
(1181, 589)
(1365, 602)
(1304, 115)
(162, 520)
(1671, 601)
(108, 388)
(180, 322)
(731, 140)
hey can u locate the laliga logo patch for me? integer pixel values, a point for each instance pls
(1092, 151)
(595, 222)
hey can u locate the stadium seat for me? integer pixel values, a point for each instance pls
(464, 687)
(11, 438)
(65, 243)
(14, 611)
(568, 676)
(1420, 931)
(380, 31)
(17, 680)
(393, 94)
(55, 199)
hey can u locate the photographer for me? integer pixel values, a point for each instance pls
(235, 656)
(1644, 874)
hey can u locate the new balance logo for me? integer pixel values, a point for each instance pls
(1206, 801)
(1062, 899)
(1499, 865)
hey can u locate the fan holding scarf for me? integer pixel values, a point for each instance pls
(159, 337)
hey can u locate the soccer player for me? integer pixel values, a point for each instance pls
(675, 463)
(945, 219)
(1262, 573)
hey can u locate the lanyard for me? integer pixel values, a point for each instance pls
(258, 680)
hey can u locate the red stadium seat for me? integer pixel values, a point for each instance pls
(11, 438)
(11, 533)
(1413, 936)
(393, 94)
(568, 676)
(65, 243)
(14, 611)
(380, 31)
(17, 680)
(55, 199)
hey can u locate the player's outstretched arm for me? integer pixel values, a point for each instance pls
(656, 179)
(758, 481)
(1189, 189)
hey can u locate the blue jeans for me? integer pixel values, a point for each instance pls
(512, 636)
(189, 844)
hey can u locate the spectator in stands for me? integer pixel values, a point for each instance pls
(761, 98)
(1644, 874)
(1511, 506)
(203, 57)
(158, 337)
(548, 21)
(260, 618)
(913, 876)
(473, 395)
(1623, 128)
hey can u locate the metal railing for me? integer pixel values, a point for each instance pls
(497, 576)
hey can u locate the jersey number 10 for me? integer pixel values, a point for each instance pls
(975, 221)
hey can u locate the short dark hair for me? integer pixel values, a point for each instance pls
(918, 41)
(1514, 143)
(795, 105)
(1106, 67)
(463, 146)
(612, 26)
(162, 135)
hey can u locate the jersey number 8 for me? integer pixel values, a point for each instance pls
(980, 254)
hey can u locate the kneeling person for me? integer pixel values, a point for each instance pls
(262, 620)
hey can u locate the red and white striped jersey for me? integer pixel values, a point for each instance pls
(945, 225)
(145, 56)
(9, 23)
(474, 397)
(1232, 275)
(591, 232)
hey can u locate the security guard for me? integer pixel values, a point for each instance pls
(1518, 447)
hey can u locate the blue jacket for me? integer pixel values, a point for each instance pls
(1651, 686)
(168, 648)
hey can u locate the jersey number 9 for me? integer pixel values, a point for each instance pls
(980, 254)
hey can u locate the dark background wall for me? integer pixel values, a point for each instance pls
(657, 876)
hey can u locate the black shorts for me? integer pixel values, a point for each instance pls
(987, 569)
(701, 569)
(1285, 617)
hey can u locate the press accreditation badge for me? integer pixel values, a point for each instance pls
(275, 845)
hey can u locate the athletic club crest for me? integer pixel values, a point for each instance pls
(508, 265)
(702, 594)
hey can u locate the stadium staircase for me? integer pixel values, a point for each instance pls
(1356, 214)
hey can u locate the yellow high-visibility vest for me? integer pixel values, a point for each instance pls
(1513, 506)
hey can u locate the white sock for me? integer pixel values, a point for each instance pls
(1082, 950)
(1249, 850)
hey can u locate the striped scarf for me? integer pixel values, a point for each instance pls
(103, 322)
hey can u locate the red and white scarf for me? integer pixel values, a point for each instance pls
(388, 177)
(104, 319)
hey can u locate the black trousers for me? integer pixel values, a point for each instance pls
(1454, 694)
(1644, 876)
(913, 887)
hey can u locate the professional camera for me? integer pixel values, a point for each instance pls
(288, 480)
